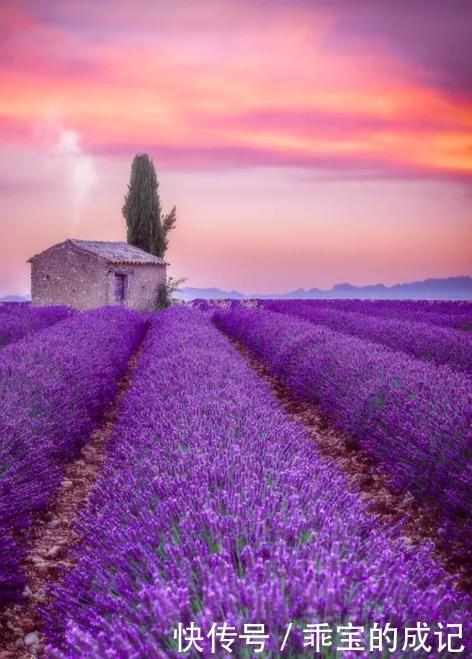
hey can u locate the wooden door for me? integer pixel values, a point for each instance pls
(120, 287)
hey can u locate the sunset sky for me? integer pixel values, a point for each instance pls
(304, 143)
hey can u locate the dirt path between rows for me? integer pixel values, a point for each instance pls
(420, 521)
(54, 538)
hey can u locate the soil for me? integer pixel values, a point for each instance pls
(54, 538)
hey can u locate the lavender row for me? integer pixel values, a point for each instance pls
(413, 417)
(454, 315)
(215, 507)
(54, 388)
(422, 340)
(447, 307)
(19, 320)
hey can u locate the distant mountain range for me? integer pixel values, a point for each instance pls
(451, 288)
(15, 298)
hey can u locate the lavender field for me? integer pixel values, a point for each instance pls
(214, 523)
(419, 338)
(19, 320)
(54, 388)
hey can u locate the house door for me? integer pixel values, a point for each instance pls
(120, 287)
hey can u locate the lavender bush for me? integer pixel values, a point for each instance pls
(456, 307)
(215, 507)
(411, 416)
(422, 340)
(455, 315)
(54, 387)
(19, 320)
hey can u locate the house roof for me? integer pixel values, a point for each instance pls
(113, 252)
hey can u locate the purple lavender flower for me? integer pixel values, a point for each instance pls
(423, 340)
(20, 320)
(214, 506)
(414, 418)
(54, 388)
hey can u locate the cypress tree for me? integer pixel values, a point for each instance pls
(147, 228)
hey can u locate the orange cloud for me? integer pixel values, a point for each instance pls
(187, 90)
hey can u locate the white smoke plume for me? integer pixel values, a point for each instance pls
(79, 171)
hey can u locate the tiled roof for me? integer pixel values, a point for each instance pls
(116, 252)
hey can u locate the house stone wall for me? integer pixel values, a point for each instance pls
(64, 275)
(143, 281)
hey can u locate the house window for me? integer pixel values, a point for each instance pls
(120, 287)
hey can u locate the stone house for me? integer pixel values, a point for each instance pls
(92, 273)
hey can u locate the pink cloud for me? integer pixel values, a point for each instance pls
(214, 88)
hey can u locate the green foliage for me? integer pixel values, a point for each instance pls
(147, 226)
(162, 301)
(166, 292)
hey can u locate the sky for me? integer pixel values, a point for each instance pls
(304, 143)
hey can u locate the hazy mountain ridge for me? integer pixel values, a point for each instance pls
(15, 298)
(450, 288)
